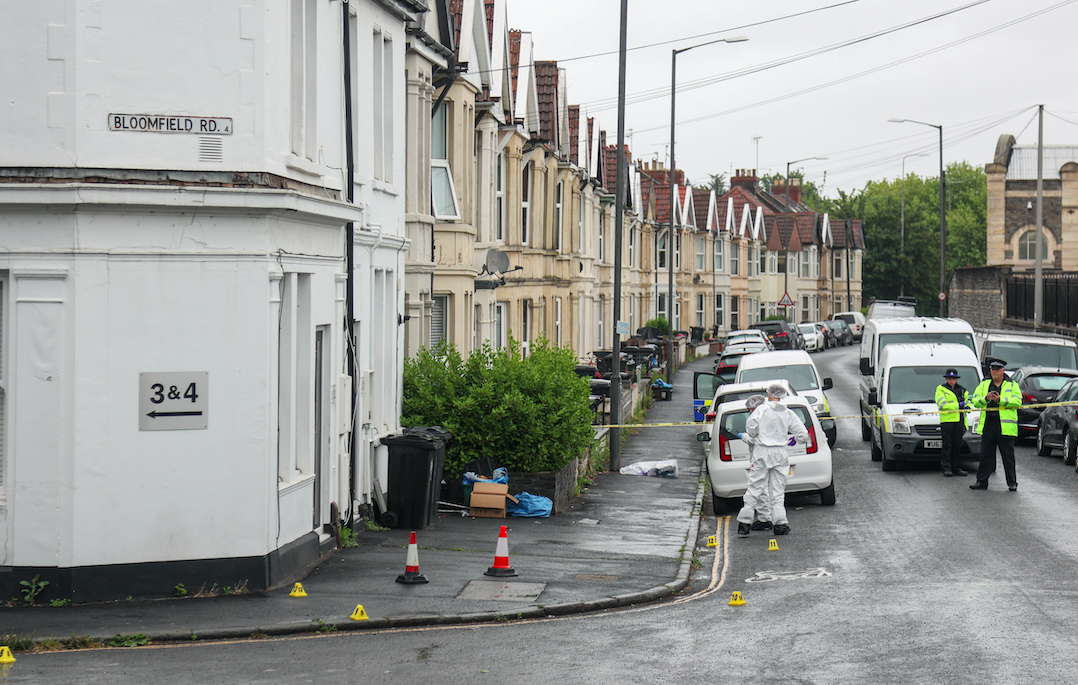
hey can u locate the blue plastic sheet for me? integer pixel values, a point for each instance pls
(529, 505)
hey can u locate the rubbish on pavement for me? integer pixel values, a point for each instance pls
(488, 500)
(666, 468)
(501, 567)
(501, 475)
(529, 505)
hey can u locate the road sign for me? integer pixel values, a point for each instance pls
(942, 296)
(623, 328)
(786, 301)
(173, 400)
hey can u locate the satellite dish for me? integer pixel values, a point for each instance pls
(497, 261)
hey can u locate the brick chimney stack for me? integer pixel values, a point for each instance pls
(794, 192)
(745, 178)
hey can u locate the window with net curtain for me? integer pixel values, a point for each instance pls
(1027, 246)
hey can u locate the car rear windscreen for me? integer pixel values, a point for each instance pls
(1018, 354)
(734, 422)
(1047, 381)
(917, 384)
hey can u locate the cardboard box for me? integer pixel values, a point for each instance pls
(488, 500)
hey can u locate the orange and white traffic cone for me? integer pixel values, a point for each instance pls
(501, 567)
(411, 575)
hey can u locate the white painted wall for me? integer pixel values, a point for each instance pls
(106, 280)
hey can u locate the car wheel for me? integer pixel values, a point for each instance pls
(866, 432)
(875, 452)
(1043, 450)
(832, 436)
(1069, 450)
(827, 495)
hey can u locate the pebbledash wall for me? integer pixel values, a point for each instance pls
(195, 281)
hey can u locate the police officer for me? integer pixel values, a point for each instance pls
(951, 398)
(1000, 397)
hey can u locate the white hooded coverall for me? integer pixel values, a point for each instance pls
(769, 427)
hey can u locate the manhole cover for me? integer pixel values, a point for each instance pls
(501, 590)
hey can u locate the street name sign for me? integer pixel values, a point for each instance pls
(173, 400)
(170, 123)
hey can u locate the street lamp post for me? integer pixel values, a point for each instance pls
(786, 277)
(673, 200)
(902, 229)
(943, 213)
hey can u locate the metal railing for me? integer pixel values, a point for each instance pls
(1060, 299)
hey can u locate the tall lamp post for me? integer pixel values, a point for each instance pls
(786, 281)
(902, 229)
(943, 214)
(673, 193)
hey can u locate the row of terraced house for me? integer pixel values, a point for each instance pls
(519, 239)
(224, 227)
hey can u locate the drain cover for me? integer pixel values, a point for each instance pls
(500, 590)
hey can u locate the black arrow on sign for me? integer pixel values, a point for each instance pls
(155, 414)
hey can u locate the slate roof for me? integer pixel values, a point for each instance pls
(838, 233)
(514, 59)
(700, 199)
(546, 78)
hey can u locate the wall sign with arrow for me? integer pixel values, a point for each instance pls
(173, 400)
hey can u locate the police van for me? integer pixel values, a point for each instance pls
(901, 397)
(1020, 349)
(879, 333)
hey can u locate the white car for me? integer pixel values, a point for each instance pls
(732, 392)
(814, 340)
(728, 459)
(746, 336)
(796, 367)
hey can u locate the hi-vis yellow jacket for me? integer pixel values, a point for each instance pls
(948, 400)
(1010, 398)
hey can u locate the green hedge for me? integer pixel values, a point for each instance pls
(529, 413)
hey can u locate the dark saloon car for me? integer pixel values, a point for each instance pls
(782, 334)
(843, 334)
(1039, 384)
(1058, 427)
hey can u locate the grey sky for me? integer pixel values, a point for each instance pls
(977, 89)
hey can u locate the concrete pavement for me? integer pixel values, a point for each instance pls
(626, 540)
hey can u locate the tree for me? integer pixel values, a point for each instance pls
(717, 183)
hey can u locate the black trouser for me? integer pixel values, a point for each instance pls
(952, 432)
(990, 440)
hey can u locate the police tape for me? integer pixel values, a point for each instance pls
(869, 417)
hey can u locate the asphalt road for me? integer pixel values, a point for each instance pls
(910, 578)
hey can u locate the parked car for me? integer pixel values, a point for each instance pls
(1058, 428)
(814, 338)
(1025, 348)
(843, 334)
(745, 336)
(1039, 385)
(855, 320)
(706, 385)
(828, 334)
(728, 459)
(782, 334)
(796, 367)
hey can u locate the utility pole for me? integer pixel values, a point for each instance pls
(619, 217)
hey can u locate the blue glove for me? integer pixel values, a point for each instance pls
(793, 441)
(740, 436)
(963, 405)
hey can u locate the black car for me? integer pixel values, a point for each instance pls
(782, 334)
(1039, 384)
(843, 334)
(1058, 427)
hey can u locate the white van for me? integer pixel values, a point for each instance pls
(795, 367)
(855, 320)
(902, 387)
(892, 309)
(879, 333)
(1019, 349)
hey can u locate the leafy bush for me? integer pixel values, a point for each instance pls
(529, 413)
(659, 322)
